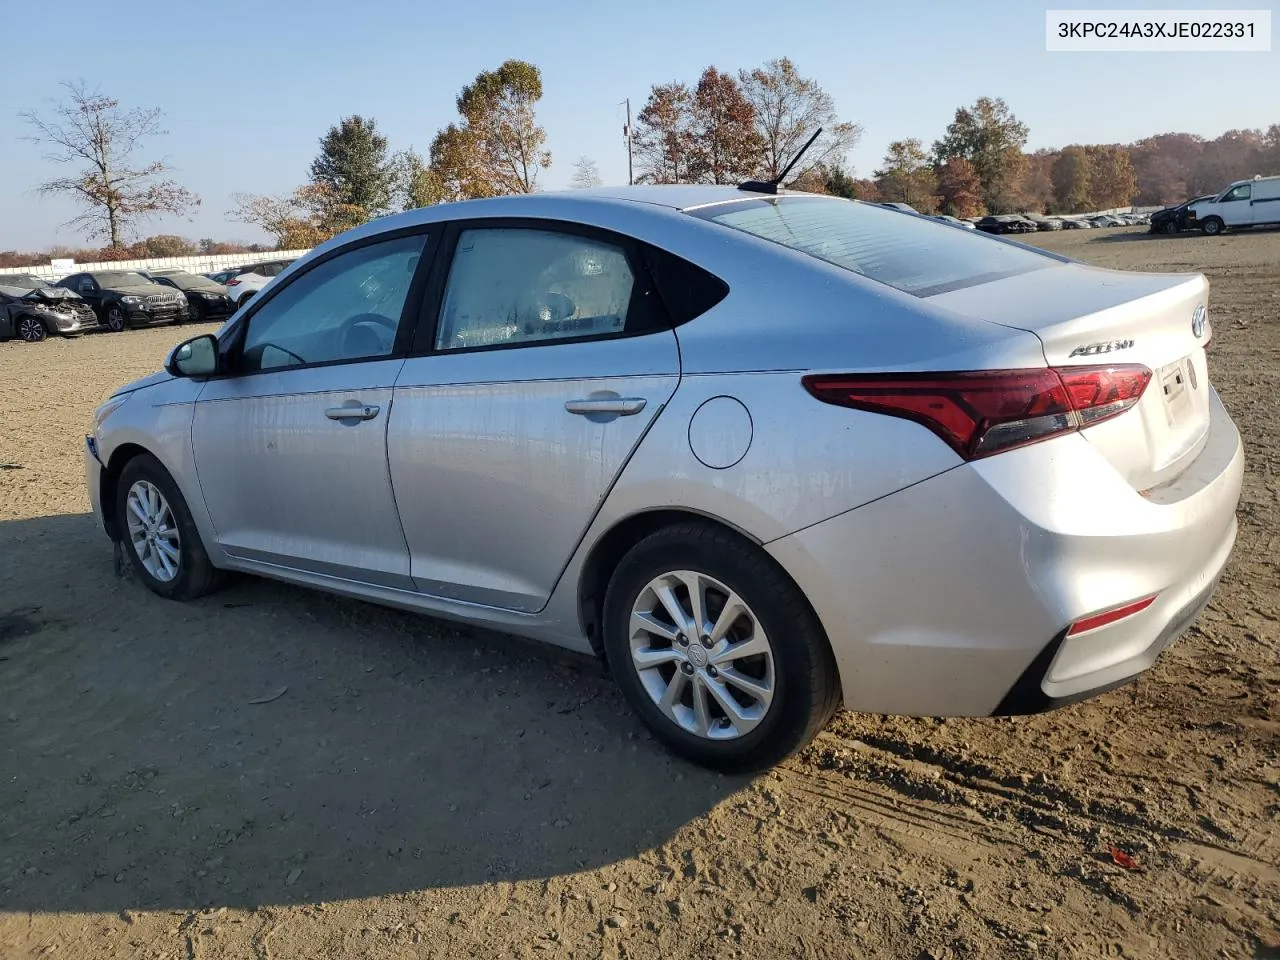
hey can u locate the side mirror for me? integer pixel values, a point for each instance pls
(197, 357)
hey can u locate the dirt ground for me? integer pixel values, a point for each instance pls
(425, 791)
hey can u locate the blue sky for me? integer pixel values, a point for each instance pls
(248, 88)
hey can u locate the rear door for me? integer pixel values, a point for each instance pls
(549, 360)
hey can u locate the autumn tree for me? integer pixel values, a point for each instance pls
(906, 176)
(1112, 182)
(169, 245)
(991, 138)
(92, 133)
(788, 109)
(354, 166)
(725, 145)
(1073, 180)
(308, 216)
(664, 141)
(959, 189)
(1035, 191)
(585, 174)
(497, 147)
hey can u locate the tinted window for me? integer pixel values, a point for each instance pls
(347, 308)
(913, 254)
(686, 289)
(517, 285)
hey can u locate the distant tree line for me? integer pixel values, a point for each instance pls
(728, 126)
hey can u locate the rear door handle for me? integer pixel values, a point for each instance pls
(366, 412)
(618, 406)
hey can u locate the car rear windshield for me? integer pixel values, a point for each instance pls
(916, 255)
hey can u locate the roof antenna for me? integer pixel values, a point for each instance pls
(771, 186)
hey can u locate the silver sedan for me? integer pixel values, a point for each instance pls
(766, 454)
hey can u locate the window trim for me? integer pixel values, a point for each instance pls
(1227, 198)
(231, 342)
(644, 292)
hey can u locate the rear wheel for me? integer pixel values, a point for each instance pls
(30, 329)
(159, 535)
(716, 649)
(1213, 226)
(116, 320)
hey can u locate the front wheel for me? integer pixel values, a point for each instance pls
(716, 649)
(30, 329)
(1213, 226)
(1171, 227)
(116, 319)
(159, 535)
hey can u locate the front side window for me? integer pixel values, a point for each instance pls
(347, 308)
(1242, 192)
(913, 254)
(518, 285)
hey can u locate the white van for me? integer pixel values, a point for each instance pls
(1246, 203)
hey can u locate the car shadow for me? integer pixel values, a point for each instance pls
(273, 745)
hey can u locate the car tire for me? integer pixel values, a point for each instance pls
(195, 314)
(793, 666)
(1171, 227)
(115, 320)
(30, 329)
(150, 528)
(1213, 226)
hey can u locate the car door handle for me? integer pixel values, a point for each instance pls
(366, 412)
(618, 406)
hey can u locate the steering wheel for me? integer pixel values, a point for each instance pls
(361, 338)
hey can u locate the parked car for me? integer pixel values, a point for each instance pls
(1045, 223)
(902, 207)
(1005, 223)
(125, 298)
(1246, 203)
(955, 222)
(222, 276)
(584, 430)
(249, 279)
(1073, 223)
(26, 281)
(206, 300)
(1173, 219)
(32, 312)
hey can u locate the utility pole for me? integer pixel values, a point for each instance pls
(626, 132)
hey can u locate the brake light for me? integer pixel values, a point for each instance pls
(984, 412)
(233, 282)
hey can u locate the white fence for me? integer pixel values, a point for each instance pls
(203, 264)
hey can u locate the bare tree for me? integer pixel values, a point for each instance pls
(114, 189)
(585, 174)
(788, 109)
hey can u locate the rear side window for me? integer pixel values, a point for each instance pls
(913, 254)
(687, 291)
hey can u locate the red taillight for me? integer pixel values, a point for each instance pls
(1110, 616)
(984, 412)
(233, 282)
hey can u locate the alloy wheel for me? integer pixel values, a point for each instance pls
(153, 531)
(702, 655)
(115, 319)
(30, 329)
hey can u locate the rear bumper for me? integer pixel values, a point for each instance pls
(954, 597)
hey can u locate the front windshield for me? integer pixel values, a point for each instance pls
(186, 281)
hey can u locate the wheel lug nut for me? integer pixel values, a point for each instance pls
(712, 672)
(706, 641)
(682, 640)
(687, 667)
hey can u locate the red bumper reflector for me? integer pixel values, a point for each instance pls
(1110, 616)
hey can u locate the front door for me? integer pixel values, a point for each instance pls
(291, 448)
(547, 364)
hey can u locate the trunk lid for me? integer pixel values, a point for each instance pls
(1090, 316)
